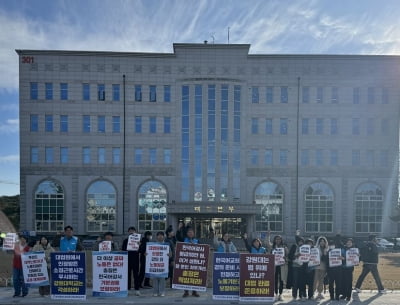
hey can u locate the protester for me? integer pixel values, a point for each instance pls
(159, 282)
(347, 272)
(310, 273)
(181, 232)
(335, 273)
(225, 245)
(108, 236)
(282, 270)
(192, 240)
(145, 281)
(20, 247)
(321, 270)
(171, 240)
(298, 270)
(370, 257)
(68, 242)
(255, 247)
(44, 246)
(133, 263)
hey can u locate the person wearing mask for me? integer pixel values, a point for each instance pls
(159, 282)
(192, 240)
(43, 245)
(370, 257)
(142, 250)
(320, 271)
(108, 236)
(310, 273)
(225, 245)
(282, 270)
(347, 272)
(255, 247)
(171, 240)
(68, 242)
(133, 263)
(20, 247)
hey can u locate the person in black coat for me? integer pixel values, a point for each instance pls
(142, 251)
(133, 263)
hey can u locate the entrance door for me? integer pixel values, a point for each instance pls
(206, 228)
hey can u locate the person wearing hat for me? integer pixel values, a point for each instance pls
(133, 263)
(20, 247)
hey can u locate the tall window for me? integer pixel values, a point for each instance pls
(101, 92)
(138, 93)
(254, 126)
(319, 208)
(198, 142)
(64, 91)
(355, 126)
(284, 95)
(64, 155)
(268, 126)
(153, 124)
(138, 124)
(283, 126)
(48, 123)
(86, 155)
(49, 155)
(86, 123)
(236, 142)
(268, 160)
(116, 124)
(319, 157)
(283, 157)
(254, 157)
(334, 126)
(152, 203)
(255, 95)
(49, 210)
(86, 92)
(49, 91)
(34, 91)
(138, 156)
(101, 123)
(304, 126)
(167, 93)
(101, 206)
(306, 94)
(167, 156)
(116, 92)
(211, 153)
(269, 196)
(153, 94)
(167, 125)
(34, 123)
(319, 127)
(101, 155)
(270, 95)
(334, 157)
(34, 154)
(116, 155)
(153, 155)
(368, 208)
(64, 123)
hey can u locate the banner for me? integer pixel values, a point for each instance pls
(334, 257)
(157, 259)
(279, 254)
(226, 276)
(105, 246)
(304, 251)
(315, 258)
(110, 274)
(191, 265)
(9, 241)
(34, 268)
(133, 242)
(352, 257)
(257, 277)
(68, 275)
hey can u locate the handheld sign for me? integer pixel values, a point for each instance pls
(34, 268)
(279, 254)
(352, 257)
(334, 257)
(9, 241)
(226, 276)
(304, 251)
(315, 258)
(105, 246)
(157, 260)
(133, 242)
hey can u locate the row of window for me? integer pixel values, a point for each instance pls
(318, 94)
(103, 155)
(320, 123)
(102, 126)
(101, 92)
(320, 157)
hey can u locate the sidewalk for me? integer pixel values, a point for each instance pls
(174, 296)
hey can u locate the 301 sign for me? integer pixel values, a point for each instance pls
(28, 59)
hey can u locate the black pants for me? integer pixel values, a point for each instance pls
(142, 271)
(299, 283)
(347, 282)
(310, 282)
(367, 268)
(133, 268)
(278, 280)
(335, 282)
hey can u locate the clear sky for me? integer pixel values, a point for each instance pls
(281, 26)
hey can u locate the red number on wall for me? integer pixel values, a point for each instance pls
(27, 59)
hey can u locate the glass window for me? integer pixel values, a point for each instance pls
(319, 126)
(385, 96)
(371, 95)
(138, 124)
(101, 123)
(153, 155)
(34, 91)
(335, 95)
(305, 157)
(255, 96)
(63, 123)
(86, 123)
(153, 124)
(319, 157)
(34, 154)
(116, 123)
(269, 197)
(319, 202)
(334, 126)
(64, 91)
(167, 93)
(334, 157)
(49, 123)
(320, 95)
(284, 95)
(101, 207)
(86, 155)
(268, 157)
(101, 155)
(167, 156)
(49, 155)
(356, 95)
(116, 155)
(370, 126)
(116, 92)
(268, 126)
(64, 155)
(270, 95)
(254, 157)
(34, 123)
(368, 204)
(101, 92)
(306, 95)
(304, 126)
(355, 157)
(49, 205)
(86, 92)
(167, 125)
(254, 126)
(49, 91)
(138, 155)
(355, 126)
(153, 94)
(283, 157)
(138, 93)
(283, 126)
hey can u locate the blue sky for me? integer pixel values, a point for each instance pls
(281, 26)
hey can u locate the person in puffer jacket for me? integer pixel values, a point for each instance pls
(225, 245)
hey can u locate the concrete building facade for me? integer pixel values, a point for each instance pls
(211, 135)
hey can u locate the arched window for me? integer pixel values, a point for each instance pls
(49, 200)
(319, 208)
(269, 196)
(101, 205)
(152, 203)
(369, 208)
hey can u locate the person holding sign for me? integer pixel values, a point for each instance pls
(107, 244)
(171, 240)
(133, 259)
(347, 272)
(192, 240)
(335, 269)
(280, 252)
(310, 272)
(142, 250)
(321, 269)
(44, 246)
(225, 245)
(20, 247)
(298, 270)
(255, 247)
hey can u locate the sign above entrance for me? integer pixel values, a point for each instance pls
(215, 208)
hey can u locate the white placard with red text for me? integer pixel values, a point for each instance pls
(315, 257)
(105, 246)
(335, 257)
(304, 252)
(133, 242)
(279, 254)
(34, 268)
(352, 257)
(9, 241)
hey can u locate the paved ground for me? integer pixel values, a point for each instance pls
(175, 297)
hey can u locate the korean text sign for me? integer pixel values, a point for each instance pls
(35, 269)
(157, 260)
(226, 275)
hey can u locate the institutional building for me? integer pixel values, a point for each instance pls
(209, 134)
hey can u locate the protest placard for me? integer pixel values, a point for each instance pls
(226, 276)
(9, 241)
(110, 274)
(279, 254)
(191, 262)
(335, 257)
(352, 257)
(304, 252)
(257, 277)
(133, 242)
(315, 258)
(34, 268)
(68, 275)
(105, 246)
(157, 260)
